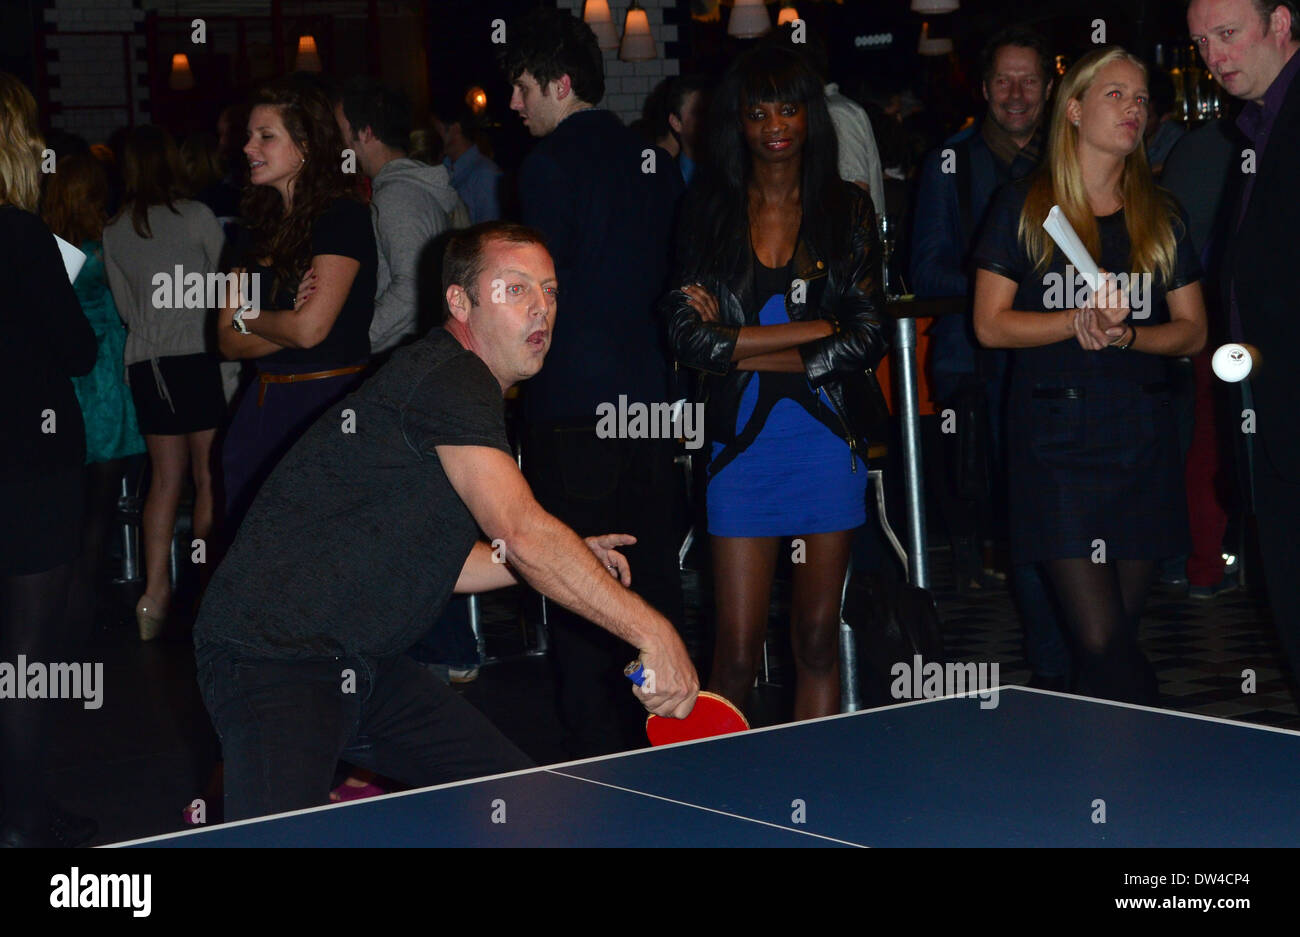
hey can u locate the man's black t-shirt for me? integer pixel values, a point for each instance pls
(355, 542)
(344, 229)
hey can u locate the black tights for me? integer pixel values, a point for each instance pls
(1102, 604)
(103, 484)
(34, 623)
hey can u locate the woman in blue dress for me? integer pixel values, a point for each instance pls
(780, 307)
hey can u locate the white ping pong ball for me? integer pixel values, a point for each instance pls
(1232, 363)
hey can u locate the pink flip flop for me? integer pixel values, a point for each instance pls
(345, 792)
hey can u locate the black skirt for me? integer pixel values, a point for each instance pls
(194, 398)
(1094, 464)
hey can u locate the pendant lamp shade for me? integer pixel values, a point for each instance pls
(596, 15)
(307, 59)
(928, 46)
(934, 7)
(181, 77)
(748, 20)
(638, 44)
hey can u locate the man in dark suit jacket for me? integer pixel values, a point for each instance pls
(1251, 47)
(605, 201)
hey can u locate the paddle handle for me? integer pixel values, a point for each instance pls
(635, 672)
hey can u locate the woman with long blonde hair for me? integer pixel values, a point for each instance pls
(1095, 474)
(47, 342)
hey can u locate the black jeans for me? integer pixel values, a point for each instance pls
(607, 486)
(284, 725)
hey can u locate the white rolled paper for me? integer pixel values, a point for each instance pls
(1233, 362)
(1063, 234)
(73, 258)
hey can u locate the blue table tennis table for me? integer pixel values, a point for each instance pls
(1037, 769)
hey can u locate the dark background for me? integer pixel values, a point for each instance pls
(444, 46)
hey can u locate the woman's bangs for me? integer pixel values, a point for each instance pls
(783, 83)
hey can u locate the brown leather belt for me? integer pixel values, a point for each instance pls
(265, 378)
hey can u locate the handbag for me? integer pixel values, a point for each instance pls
(893, 622)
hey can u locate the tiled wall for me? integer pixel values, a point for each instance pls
(92, 69)
(628, 83)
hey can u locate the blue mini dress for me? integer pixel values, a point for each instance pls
(798, 476)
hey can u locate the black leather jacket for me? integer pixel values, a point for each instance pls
(845, 290)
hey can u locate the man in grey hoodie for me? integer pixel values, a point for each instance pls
(411, 202)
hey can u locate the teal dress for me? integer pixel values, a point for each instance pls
(106, 405)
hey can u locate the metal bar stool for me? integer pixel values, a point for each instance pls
(130, 503)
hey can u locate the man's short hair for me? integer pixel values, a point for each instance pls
(683, 86)
(548, 44)
(1265, 9)
(1023, 36)
(457, 111)
(653, 123)
(466, 255)
(367, 103)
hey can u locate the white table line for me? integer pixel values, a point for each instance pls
(724, 813)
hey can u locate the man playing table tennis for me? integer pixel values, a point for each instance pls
(364, 529)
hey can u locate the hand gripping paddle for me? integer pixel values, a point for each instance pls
(712, 715)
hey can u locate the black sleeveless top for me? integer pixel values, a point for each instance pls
(779, 385)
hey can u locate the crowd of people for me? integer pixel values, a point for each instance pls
(336, 412)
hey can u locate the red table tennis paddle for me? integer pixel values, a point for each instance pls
(712, 715)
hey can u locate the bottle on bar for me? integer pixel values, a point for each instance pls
(1194, 78)
(1182, 112)
(1216, 98)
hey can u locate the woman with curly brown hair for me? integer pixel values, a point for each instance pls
(305, 319)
